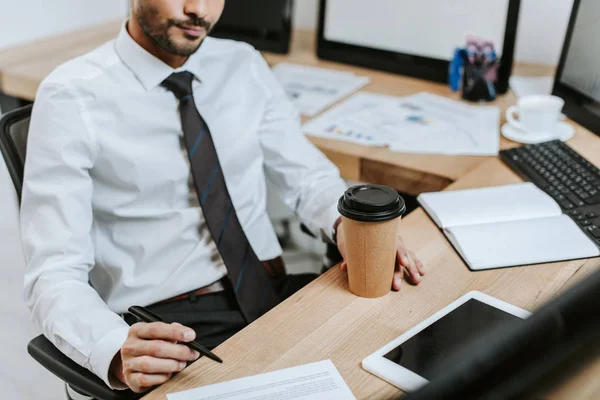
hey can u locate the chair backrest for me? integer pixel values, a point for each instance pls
(14, 128)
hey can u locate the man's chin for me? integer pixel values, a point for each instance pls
(185, 47)
(184, 44)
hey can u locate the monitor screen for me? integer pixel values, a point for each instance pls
(427, 28)
(265, 24)
(582, 65)
(578, 77)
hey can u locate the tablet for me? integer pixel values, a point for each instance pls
(408, 361)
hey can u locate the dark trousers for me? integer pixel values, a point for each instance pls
(216, 317)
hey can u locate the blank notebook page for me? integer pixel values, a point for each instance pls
(487, 205)
(506, 244)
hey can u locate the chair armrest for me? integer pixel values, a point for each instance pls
(79, 378)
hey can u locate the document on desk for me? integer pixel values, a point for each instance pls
(354, 120)
(438, 125)
(313, 89)
(320, 380)
(422, 123)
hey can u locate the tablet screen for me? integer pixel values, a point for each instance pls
(423, 352)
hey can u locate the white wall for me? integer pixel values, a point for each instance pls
(542, 26)
(26, 20)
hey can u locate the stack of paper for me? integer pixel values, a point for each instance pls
(313, 89)
(423, 123)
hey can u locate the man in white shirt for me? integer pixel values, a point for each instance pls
(125, 201)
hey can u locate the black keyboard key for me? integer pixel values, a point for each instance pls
(595, 232)
(591, 215)
(574, 199)
(595, 199)
(566, 204)
(585, 222)
(539, 181)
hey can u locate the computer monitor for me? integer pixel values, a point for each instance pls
(578, 76)
(265, 24)
(415, 37)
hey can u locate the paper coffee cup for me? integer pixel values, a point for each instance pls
(370, 217)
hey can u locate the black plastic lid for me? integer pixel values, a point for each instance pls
(371, 203)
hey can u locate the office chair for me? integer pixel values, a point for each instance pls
(14, 127)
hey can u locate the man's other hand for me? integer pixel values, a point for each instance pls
(151, 355)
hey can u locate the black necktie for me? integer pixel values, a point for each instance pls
(250, 281)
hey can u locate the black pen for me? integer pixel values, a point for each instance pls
(145, 315)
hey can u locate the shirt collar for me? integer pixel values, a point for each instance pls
(150, 70)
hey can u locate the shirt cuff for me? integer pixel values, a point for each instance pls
(103, 354)
(330, 217)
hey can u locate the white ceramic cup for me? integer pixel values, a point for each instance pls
(536, 114)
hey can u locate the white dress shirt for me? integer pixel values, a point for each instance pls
(106, 199)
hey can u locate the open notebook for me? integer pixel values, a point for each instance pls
(506, 226)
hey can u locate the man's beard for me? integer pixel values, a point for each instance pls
(148, 18)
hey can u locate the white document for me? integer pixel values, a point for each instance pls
(353, 120)
(423, 123)
(437, 125)
(313, 89)
(320, 380)
(507, 226)
(531, 85)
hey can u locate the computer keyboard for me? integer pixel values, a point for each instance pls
(566, 176)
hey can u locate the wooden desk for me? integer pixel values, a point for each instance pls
(325, 321)
(22, 69)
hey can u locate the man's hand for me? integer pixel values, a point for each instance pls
(151, 355)
(407, 262)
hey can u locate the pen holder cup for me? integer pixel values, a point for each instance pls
(478, 83)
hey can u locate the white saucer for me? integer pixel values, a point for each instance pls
(564, 132)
